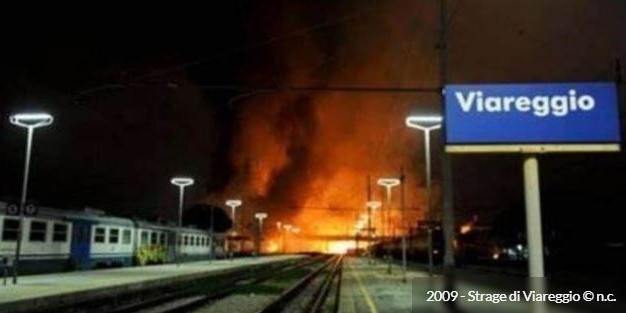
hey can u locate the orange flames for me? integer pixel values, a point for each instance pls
(304, 157)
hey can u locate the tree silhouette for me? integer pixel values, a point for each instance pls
(200, 215)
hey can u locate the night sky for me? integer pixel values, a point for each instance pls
(134, 105)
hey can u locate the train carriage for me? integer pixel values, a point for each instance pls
(57, 240)
(194, 244)
(155, 243)
(45, 241)
(100, 241)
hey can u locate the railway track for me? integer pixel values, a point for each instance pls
(329, 275)
(309, 285)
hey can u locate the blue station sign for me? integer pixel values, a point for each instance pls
(532, 114)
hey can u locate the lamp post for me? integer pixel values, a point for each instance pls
(286, 228)
(212, 236)
(295, 230)
(359, 228)
(260, 216)
(181, 182)
(389, 183)
(427, 124)
(371, 206)
(233, 204)
(30, 121)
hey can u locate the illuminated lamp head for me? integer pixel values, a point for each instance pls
(373, 204)
(233, 203)
(424, 122)
(388, 182)
(182, 181)
(31, 120)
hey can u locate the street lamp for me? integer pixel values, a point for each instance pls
(181, 182)
(286, 228)
(427, 124)
(30, 121)
(371, 206)
(233, 204)
(359, 228)
(388, 183)
(260, 216)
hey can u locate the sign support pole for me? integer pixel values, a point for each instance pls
(533, 216)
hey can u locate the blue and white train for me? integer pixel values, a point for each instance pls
(56, 240)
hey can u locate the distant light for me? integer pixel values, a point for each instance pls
(182, 181)
(260, 215)
(435, 251)
(388, 182)
(466, 229)
(496, 256)
(520, 247)
(31, 120)
(233, 202)
(340, 247)
(424, 119)
(373, 204)
(272, 246)
(426, 122)
(359, 225)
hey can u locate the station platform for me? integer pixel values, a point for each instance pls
(37, 291)
(368, 287)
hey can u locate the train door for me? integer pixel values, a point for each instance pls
(81, 244)
(171, 246)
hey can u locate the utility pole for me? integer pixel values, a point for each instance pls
(211, 237)
(403, 228)
(369, 220)
(447, 211)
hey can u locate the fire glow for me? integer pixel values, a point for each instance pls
(305, 157)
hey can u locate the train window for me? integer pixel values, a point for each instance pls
(59, 233)
(163, 239)
(153, 238)
(9, 229)
(197, 241)
(185, 240)
(144, 237)
(126, 237)
(99, 235)
(179, 240)
(114, 235)
(37, 231)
